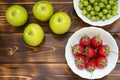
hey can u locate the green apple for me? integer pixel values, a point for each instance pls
(60, 23)
(33, 34)
(16, 15)
(43, 10)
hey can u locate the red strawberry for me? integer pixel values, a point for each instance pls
(77, 49)
(101, 62)
(104, 50)
(85, 40)
(96, 41)
(89, 52)
(91, 65)
(80, 61)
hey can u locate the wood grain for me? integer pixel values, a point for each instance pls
(52, 48)
(46, 71)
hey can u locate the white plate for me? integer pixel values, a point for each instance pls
(107, 39)
(97, 23)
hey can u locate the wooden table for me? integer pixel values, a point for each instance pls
(19, 61)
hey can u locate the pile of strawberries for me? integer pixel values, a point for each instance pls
(90, 53)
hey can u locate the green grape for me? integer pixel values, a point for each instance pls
(102, 0)
(97, 8)
(89, 8)
(114, 12)
(109, 11)
(108, 16)
(92, 13)
(101, 5)
(115, 3)
(96, 13)
(84, 12)
(108, 6)
(81, 0)
(95, 4)
(97, 0)
(92, 1)
(105, 11)
(103, 18)
(106, 2)
(100, 14)
(97, 18)
(85, 3)
(93, 18)
(115, 7)
(88, 16)
(111, 2)
(92, 9)
(80, 5)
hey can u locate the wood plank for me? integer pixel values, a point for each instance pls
(46, 71)
(77, 23)
(66, 77)
(52, 48)
(32, 1)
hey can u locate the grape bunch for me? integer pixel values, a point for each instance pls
(98, 9)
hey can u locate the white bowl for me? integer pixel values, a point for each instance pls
(97, 23)
(107, 39)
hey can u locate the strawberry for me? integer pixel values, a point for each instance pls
(101, 62)
(104, 50)
(85, 40)
(89, 52)
(91, 65)
(80, 61)
(77, 49)
(96, 41)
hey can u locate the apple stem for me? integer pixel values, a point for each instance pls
(59, 20)
(13, 13)
(43, 8)
(30, 33)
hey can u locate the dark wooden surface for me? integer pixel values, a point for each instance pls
(19, 61)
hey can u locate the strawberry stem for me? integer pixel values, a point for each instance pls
(98, 39)
(76, 49)
(85, 37)
(79, 62)
(104, 63)
(99, 34)
(113, 52)
(91, 68)
(85, 51)
(91, 75)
